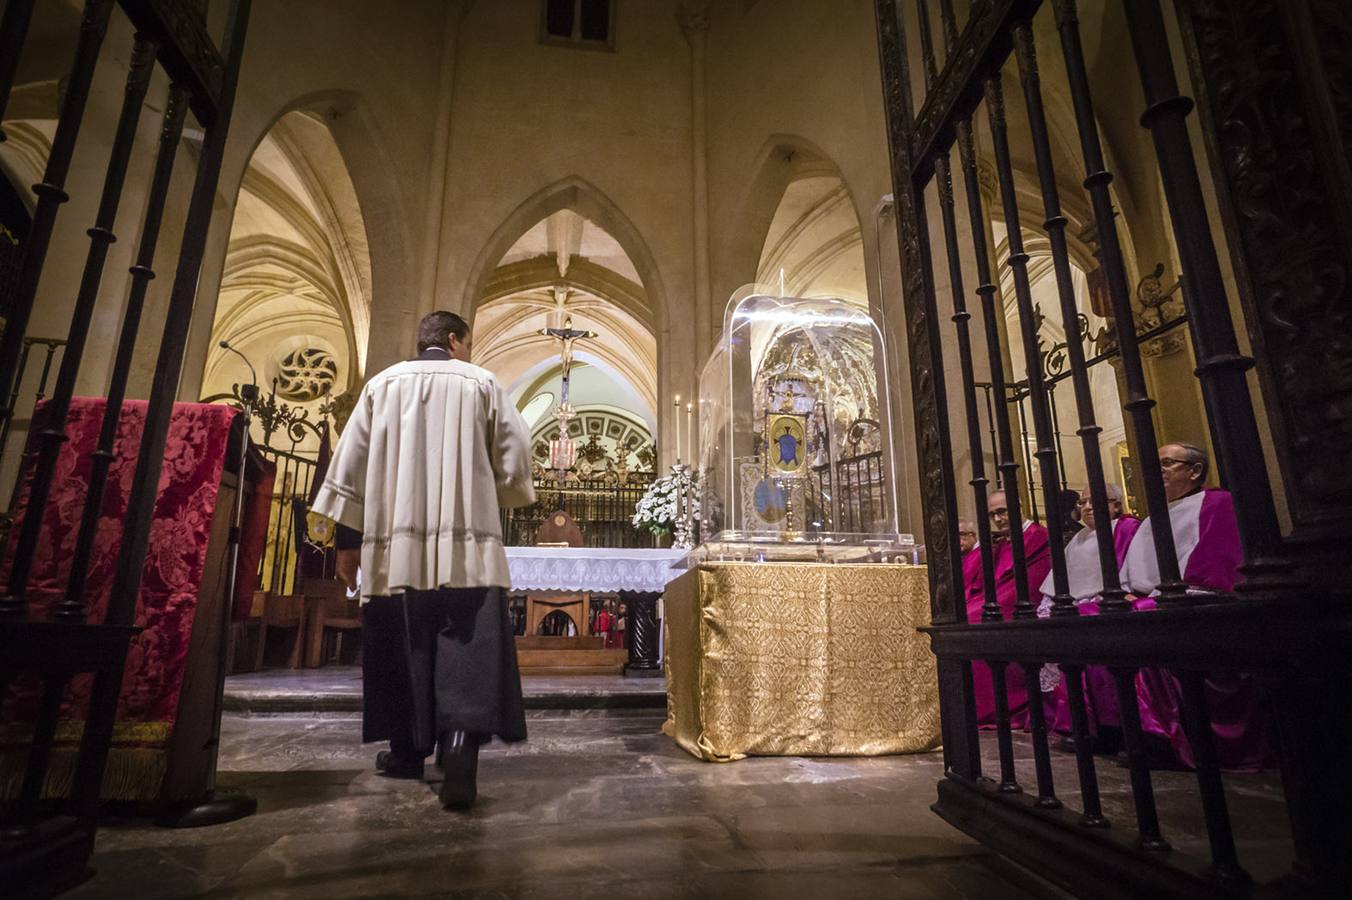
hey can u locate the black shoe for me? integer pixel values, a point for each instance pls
(392, 765)
(459, 757)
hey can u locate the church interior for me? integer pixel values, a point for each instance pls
(936, 414)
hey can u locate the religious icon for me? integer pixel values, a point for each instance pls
(786, 444)
(771, 501)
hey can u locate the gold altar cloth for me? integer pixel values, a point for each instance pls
(800, 659)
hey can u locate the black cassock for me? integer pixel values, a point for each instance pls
(438, 661)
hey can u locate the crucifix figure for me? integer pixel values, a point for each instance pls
(566, 335)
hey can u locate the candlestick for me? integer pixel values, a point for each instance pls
(676, 404)
(690, 434)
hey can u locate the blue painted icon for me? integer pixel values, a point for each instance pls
(788, 448)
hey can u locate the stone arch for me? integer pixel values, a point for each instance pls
(781, 160)
(587, 200)
(365, 156)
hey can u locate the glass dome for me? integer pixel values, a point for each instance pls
(796, 433)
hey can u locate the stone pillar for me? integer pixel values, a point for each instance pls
(693, 16)
(430, 286)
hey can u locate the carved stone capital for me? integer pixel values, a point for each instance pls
(990, 182)
(693, 15)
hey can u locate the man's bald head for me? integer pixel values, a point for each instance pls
(966, 535)
(1115, 500)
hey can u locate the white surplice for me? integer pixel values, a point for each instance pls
(433, 450)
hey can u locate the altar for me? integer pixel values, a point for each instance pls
(795, 630)
(800, 659)
(557, 577)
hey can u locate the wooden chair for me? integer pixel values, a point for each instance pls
(247, 637)
(328, 609)
(558, 529)
(284, 619)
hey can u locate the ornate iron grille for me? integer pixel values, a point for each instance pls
(42, 854)
(604, 512)
(1270, 77)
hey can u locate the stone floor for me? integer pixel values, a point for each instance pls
(597, 803)
(338, 689)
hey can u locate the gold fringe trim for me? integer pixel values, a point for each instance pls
(69, 731)
(131, 774)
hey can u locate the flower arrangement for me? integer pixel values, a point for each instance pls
(671, 504)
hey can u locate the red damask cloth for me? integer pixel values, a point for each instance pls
(194, 459)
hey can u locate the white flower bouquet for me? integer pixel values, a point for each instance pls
(660, 509)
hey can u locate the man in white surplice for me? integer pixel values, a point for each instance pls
(431, 453)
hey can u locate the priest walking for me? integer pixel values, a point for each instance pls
(431, 453)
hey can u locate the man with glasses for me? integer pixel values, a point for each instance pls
(1037, 562)
(1206, 539)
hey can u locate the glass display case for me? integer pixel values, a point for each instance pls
(795, 449)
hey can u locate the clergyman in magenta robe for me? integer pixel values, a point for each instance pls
(1206, 536)
(1037, 563)
(1084, 574)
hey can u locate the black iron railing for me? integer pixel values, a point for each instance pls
(42, 854)
(1289, 623)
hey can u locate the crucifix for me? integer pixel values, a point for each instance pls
(566, 336)
(562, 453)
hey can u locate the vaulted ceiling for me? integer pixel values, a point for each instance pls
(567, 266)
(297, 279)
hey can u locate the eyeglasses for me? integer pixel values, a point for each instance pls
(1169, 463)
(1002, 511)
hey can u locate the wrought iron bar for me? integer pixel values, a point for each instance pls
(922, 14)
(40, 750)
(986, 388)
(51, 194)
(1089, 430)
(1142, 791)
(987, 290)
(20, 370)
(13, 29)
(1221, 367)
(1139, 403)
(101, 236)
(1092, 813)
(1037, 720)
(1004, 738)
(1017, 397)
(923, 335)
(983, 44)
(142, 495)
(1197, 726)
(1056, 432)
(1018, 264)
(961, 319)
(72, 607)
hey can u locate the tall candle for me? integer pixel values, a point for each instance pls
(690, 434)
(676, 405)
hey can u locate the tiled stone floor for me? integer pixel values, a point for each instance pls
(597, 803)
(338, 689)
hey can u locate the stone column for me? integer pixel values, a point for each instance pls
(693, 16)
(436, 213)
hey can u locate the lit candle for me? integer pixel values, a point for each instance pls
(676, 404)
(690, 433)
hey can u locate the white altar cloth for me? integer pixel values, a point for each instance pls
(595, 570)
